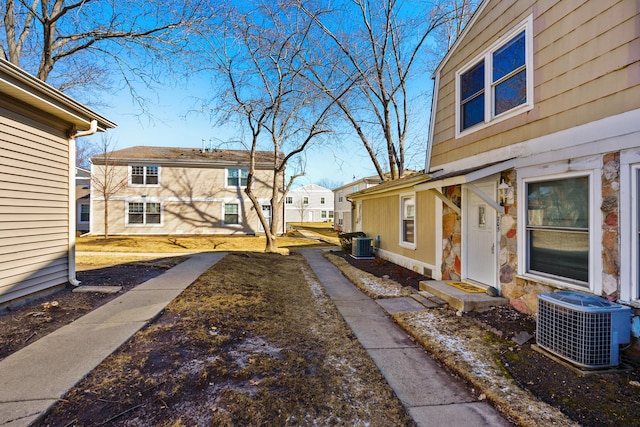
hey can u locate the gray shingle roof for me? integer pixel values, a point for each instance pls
(184, 155)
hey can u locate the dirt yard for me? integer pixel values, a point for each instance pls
(254, 341)
(227, 342)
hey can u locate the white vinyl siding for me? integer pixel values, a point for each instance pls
(34, 210)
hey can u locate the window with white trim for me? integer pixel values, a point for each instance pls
(289, 200)
(144, 213)
(323, 214)
(322, 200)
(237, 177)
(84, 212)
(305, 200)
(557, 229)
(330, 214)
(408, 215)
(498, 83)
(231, 213)
(144, 175)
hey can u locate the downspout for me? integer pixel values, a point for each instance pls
(93, 128)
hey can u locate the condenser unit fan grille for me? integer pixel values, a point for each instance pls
(582, 328)
(582, 337)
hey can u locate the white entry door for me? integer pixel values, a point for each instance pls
(480, 234)
(266, 211)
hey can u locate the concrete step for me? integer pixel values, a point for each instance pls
(459, 299)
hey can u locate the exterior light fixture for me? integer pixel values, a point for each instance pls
(506, 194)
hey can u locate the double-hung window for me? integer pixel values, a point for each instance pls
(408, 215)
(237, 177)
(289, 200)
(557, 229)
(231, 213)
(144, 175)
(84, 212)
(498, 83)
(143, 213)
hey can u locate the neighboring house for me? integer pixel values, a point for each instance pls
(533, 156)
(168, 190)
(309, 203)
(343, 210)
(83, 202)
(38, 127)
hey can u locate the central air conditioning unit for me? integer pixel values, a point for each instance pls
(361, 248)
(583, 329)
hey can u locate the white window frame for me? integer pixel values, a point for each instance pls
(595, 232)
(239, 223)
(322, 200)
(131, 184)
(487, 55)
(305, 200)
(629, 221)
(144, 213)
(402, 242)
(239, 182)
(288, 200)
(80, 220)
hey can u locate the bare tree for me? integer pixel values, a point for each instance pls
(81, 44)
(302, 207)
(105, 179)
(265, 58)
(381, 43)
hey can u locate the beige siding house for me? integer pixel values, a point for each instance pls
(344, 220)
(534, 152)
(38, 127)
(166, 190)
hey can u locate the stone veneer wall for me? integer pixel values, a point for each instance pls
(610, 230)
(523, 293)
(451, 235)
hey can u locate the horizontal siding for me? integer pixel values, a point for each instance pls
(586, 69)
(34, 209)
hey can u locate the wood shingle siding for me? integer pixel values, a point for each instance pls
(584, 69)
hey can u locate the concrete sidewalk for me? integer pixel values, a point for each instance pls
(431, 395)
(34, 378)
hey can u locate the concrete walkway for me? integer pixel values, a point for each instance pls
(431, 395)
(34, 378)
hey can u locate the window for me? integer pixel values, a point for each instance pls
(289, 200)
(231, 214)
(407, 206)
(323, 214)
(305, 200)
(322, 200)
(237, 177)
(496, 83)
(339, 197)
(557, 230)
(143, 213)
(144, 175)
(84, 213)
(331, 214)
(355, 188)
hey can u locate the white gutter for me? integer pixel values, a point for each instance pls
(73, 280)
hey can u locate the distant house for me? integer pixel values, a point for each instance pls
(343, 209)
(170, 190)
(533, 162)
(83, 200)
(309, 203)
(38, 127)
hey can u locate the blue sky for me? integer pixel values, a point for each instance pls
(173, 123)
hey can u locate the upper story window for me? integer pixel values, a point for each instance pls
(498, 83)
(237, 177)
(289, 200)
(144, 175)
(305, 200)
(322, 200)
(339, 197)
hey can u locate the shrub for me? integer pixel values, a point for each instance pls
(345, 240)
